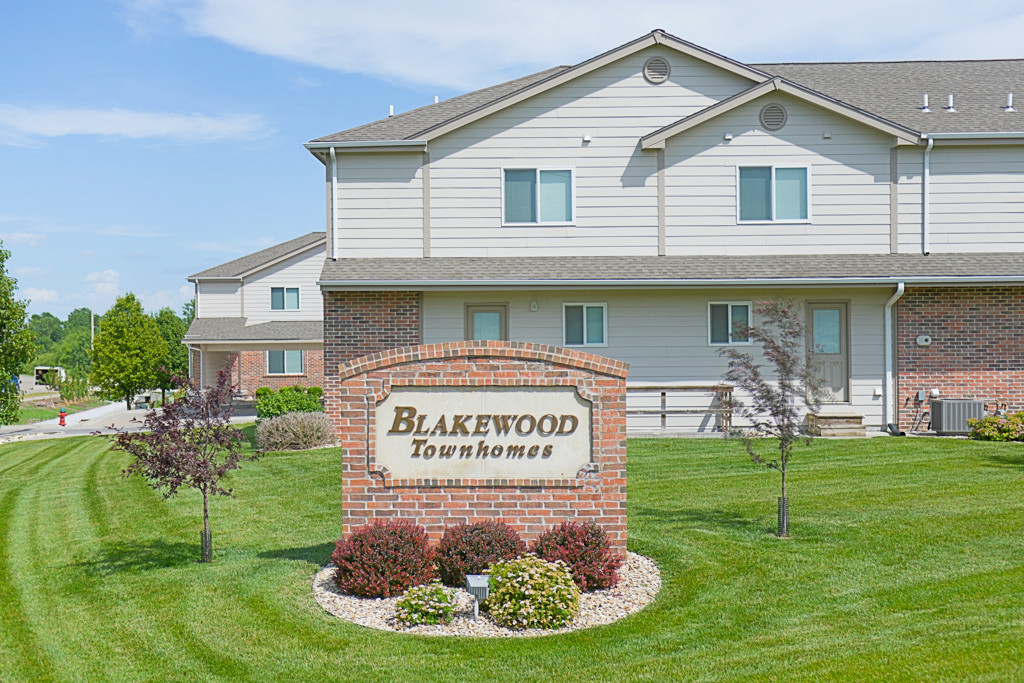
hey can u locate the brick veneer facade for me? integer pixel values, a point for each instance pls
(252, 372)
(597, 492)
(977, 348)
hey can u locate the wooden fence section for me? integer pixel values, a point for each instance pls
(651, 407)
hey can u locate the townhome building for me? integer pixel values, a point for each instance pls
(265, 311)
(637, 205)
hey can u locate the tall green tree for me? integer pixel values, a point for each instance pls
(127, 351)
(47, 330)
(175, 361)
(17, 343)
(188, 312)
(73, 352)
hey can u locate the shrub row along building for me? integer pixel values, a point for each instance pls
(637, 205)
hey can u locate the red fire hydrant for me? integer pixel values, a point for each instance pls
(63, 414)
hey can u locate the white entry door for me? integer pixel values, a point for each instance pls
(828, 343)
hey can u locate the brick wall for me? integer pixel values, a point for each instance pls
(253, 372)
(194, 357)
(977, 348)
(528, 505)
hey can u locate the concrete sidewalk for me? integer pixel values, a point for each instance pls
(104, 420)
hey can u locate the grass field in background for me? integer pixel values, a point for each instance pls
(906, 562)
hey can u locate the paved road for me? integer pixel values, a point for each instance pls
(101, 419)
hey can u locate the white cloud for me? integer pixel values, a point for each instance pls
(24, 123)
(166, 298)
(460, 44)
(22, 239)
(105, 286)
(40, 296)
(31, 271)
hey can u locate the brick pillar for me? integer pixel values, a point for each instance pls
(359, 323)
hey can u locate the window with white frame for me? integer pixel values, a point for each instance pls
(284, 298)
(773, 193)
(584, 324)
(728, 322)
(285, 362)
(537, 195)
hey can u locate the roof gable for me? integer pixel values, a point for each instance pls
(656, 139)
(250, 263)
(423, 125)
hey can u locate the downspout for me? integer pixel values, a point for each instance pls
(925, 182)
(891, 400)
(334, 204)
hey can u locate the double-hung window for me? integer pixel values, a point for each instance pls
(287, 362)
(585, 324)
(728, 322)
(773, 193)
(284, 298)
(537, 195)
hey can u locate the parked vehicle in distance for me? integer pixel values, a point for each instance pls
(41, 371)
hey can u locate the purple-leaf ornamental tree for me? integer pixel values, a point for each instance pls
(189, 443)
(778, 397)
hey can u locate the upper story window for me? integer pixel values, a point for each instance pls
(585, 324)
(284, 298)
(537, 195)
(728, 322)
(773, 193)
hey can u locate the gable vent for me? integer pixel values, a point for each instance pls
(773, 116)
(657, 70)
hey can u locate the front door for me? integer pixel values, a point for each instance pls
(828, 343)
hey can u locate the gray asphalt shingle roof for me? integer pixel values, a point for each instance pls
(407, 125)
(250, 262)
(235, 329)
(681, 268)
(891, 90)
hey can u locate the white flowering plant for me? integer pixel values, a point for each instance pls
(528, 592)
(425, 604)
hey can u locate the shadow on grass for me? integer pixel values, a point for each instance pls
(141, 557)
(703, 519)
(314, 554)
(250, 433)
(1006, 460)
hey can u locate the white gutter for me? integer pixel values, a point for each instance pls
(890, 400)
(366, 143)
(404, 285)
(1008, 135)
(925, 183)
(334, 204)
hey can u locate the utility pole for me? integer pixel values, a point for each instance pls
(92, 328)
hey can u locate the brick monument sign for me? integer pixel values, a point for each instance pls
(463, 432)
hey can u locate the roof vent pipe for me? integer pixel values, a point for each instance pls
(1009, 103)
(949, 104)
(437, 99)
(391, 110)
(925, 108)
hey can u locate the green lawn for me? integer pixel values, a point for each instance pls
(907, 562)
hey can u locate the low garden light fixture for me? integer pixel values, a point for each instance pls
(479, 586)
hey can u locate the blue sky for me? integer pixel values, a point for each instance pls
(144, 140)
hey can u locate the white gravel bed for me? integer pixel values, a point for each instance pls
(639, 583)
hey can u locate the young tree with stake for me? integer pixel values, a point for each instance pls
(189, 443)
(774, 408)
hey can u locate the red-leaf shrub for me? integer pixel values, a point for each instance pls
(472, 548)
(383, 559)
(585, 549)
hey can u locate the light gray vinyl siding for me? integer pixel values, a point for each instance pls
(848, 183)
(380, 205)
(910, 162)
(219, 299)
(616, 189)
(663, 334)
(977, 199)
(302, 271)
